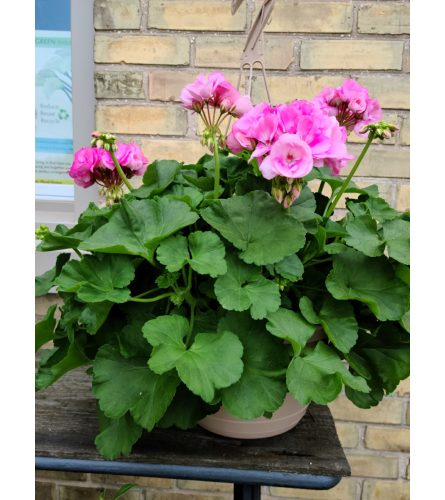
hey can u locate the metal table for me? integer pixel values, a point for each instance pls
(308, 456)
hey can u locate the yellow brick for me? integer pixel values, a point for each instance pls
(389, 411)
(373, 466)
(406, 58)
(295, 16)
(392, 91)
(116, 14)
(385, 490)
(351, 54)
(403, 196)
(147, 482)
(173, 149)
(201, 15)
(167, 85)
(142, 49)
(384, 161)
(141, 119)
(403, 388)
(387, 438)
(169, 495)
(119, 85)
(348, 434)
(205, 485)
(404, 132)
(345, 490)
(407, 414)
(225, 52)
(390, 18)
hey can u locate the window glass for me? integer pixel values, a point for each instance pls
(53, 98)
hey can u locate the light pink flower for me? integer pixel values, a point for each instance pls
(289, 157)
(241, 106)
(82, 168)
(350, 104)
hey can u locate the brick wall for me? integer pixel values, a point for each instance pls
(145, 52)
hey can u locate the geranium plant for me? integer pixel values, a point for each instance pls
(206, 285)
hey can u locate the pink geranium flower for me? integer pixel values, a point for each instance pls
(82, 168)
(129, 156)
(290, 157)
(350, 104)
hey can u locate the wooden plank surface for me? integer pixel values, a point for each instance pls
(66, 425)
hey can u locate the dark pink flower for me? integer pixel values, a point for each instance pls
(82, 168)
(350, 104)
(129, 156)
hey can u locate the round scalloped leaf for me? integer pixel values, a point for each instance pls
(241, 220)
(370, 280)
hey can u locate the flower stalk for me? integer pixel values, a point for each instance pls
(331, 206)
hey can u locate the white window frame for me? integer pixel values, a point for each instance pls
(52, 212)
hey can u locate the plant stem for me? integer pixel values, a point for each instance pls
(120, 171)
(216, 156)
(331, 206)
(270, 373)
(152, 299)
(321, 186)
(78, 253)
(146, 293)
(315, 262)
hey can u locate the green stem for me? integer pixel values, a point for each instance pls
(192, 320)
(146, 293)
(321, 186)
(217, 166)
(120, 171)
(152, 299)
(78, 253)
(331, 206)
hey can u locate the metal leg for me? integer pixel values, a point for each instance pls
(246, 492)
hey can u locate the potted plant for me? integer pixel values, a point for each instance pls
(228, 283)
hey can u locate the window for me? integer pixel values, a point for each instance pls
(64, 109)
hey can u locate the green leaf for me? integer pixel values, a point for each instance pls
(45, 281)
(117, 436)
(308, 312)
(365, 400)
(45, 327)
(380, 210)
(396, 235)
(123, 385)
(318, 376)
(141, 226)
(97, 278)
(290, 268)
(303, 209)
(189, 195)
(94, 315)
(339, 323)
(363, 236)
(60, 361)
(241, 220)
(157, 177)
(166, 334)
(207, 252)
(123, 489)
(257, 392)
(212, 362)
(62, 237)
(185, 410)
(370, 280)
(243, 287)
(173, 252)
(290, 326)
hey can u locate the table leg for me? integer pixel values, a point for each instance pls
(246, 491)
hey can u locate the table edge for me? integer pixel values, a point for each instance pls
(224, 475)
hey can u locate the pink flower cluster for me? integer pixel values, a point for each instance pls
(288, 140)
(350, 104)
(95, 165)
(214, 90)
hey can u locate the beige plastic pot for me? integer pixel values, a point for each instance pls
(284, 419)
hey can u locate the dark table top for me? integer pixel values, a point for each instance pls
(307, 456)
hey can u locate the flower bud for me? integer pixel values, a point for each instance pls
(41, 232)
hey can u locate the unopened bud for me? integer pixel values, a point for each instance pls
(41, 232)
(381, 130)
